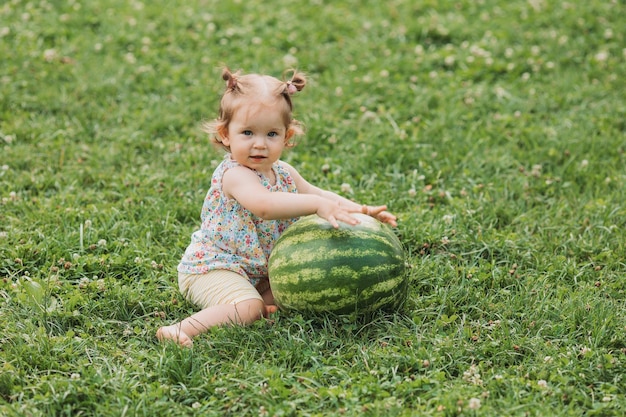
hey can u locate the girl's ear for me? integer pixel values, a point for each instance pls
(222, 132)
(289, 134)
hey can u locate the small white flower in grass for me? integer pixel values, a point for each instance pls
(607, 398)
(102, 242)
(584, 163)
(75, 376)
(50, 55)
(472, 375)
(536, 170)
(601, 56)
(448, 218)
(542, 383)
(290, 60)
(412, 192)
(4, 31)
(130, 58)
(547, 359)
(196, 405)
(474, 404)
(3, 235)
(346, 188)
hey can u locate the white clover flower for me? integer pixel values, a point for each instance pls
(290, 60)
(542, 383)
(49, 55)
(75, 376)
(601, 56)
(102, 242)
(474, 404)
(346, 188)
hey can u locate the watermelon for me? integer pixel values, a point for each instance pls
(352, 270)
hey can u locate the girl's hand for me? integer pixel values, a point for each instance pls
(333, 212)
(380, 213)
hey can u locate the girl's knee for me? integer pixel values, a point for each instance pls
(249, 311)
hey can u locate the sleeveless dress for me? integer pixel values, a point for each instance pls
(231, 237)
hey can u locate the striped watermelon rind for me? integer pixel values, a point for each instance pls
(353, 270)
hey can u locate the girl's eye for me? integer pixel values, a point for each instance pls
(247, 132)
(272, 134)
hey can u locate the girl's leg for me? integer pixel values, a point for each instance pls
(245, 312)
(226, 298)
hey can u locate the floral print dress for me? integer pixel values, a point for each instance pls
(230, 236)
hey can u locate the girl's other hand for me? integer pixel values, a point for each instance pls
(380, 213)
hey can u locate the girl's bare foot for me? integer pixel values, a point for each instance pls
(174, 333)
(270, 309)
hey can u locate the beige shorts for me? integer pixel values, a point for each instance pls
(219, 287)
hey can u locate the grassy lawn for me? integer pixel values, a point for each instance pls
(494, 129)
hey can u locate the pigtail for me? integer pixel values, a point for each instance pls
(295, 83)
(231, 79)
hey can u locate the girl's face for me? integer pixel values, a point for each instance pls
(256, 137)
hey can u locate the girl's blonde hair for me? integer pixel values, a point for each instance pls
(256, 90)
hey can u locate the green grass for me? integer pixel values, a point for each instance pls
(493, 129)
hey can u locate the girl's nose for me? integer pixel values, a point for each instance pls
(259, 142)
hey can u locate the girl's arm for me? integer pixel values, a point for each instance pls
(243, 185)
(304, 187)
